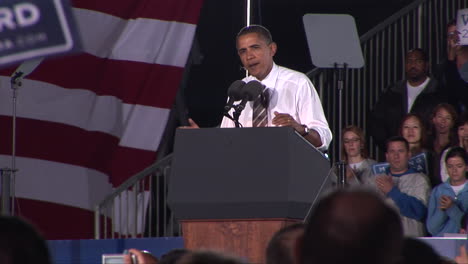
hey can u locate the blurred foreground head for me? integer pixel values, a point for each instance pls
(352, 226)
(209, 257)
(281, 248)
(20, 243)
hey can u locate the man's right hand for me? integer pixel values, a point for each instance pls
(191, 125)
(384, 183)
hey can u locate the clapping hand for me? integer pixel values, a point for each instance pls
(445, 202)
(384, 183)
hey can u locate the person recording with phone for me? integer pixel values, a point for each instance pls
(287, 97)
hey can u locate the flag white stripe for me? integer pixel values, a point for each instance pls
(137, 126)
(58, 183)
(141, 40)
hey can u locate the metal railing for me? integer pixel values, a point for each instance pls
(138, 207)
(422, 24)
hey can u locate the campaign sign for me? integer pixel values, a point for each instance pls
(462, 25)
(35, 28)
(418, 163)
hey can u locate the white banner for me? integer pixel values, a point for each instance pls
(462, 25)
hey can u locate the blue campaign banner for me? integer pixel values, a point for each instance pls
(418, 163)
(380, 168)
(36, 28)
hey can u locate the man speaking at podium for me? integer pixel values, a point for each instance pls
(291, 98)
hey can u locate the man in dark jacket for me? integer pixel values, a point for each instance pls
(417, 94)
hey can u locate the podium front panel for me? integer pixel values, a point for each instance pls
(244, 173)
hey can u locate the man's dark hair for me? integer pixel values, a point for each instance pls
(396, 139)
(280, 249)
(173, 256)
(422, 52)
(20, 243)
(352, 226)
(457, 152)
(452, 22)
(262, 31)
(211, 257)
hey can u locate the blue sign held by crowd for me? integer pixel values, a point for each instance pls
(418, 163)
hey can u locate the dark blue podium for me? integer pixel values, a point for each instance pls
(232, 188)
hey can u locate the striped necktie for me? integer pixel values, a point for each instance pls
(260, 116)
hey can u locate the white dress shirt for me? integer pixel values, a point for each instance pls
(292, 93)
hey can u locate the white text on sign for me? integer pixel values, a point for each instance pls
(21, 15)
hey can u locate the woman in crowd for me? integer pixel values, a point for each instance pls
(442, 136)
(462, 141)
(413, 130)
(442, 132)
(354, 150)
(449, 200)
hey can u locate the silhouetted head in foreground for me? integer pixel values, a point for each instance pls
(352, 226)
(280, 249)
(173, 256)
(20, 243)
(209, 257)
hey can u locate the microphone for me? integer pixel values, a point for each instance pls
(25, 69)
(250, 92)
(234, 93)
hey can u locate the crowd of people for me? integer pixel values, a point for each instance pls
(348, 225)
(421, 123)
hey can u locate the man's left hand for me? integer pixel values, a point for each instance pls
(281, 119)
(384, 183)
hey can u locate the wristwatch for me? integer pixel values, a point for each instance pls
(306, 131)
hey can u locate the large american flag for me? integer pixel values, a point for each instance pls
(88, 122)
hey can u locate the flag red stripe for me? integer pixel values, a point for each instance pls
(132, 82)
(125, 162)
(71, 145)
(71, 223)
(187, 11)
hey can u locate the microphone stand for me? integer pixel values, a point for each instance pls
(236, 115)
(237, 112)
(235, 119)
(341, 164)
(9, 174)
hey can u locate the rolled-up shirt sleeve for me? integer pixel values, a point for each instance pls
(310, 112)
